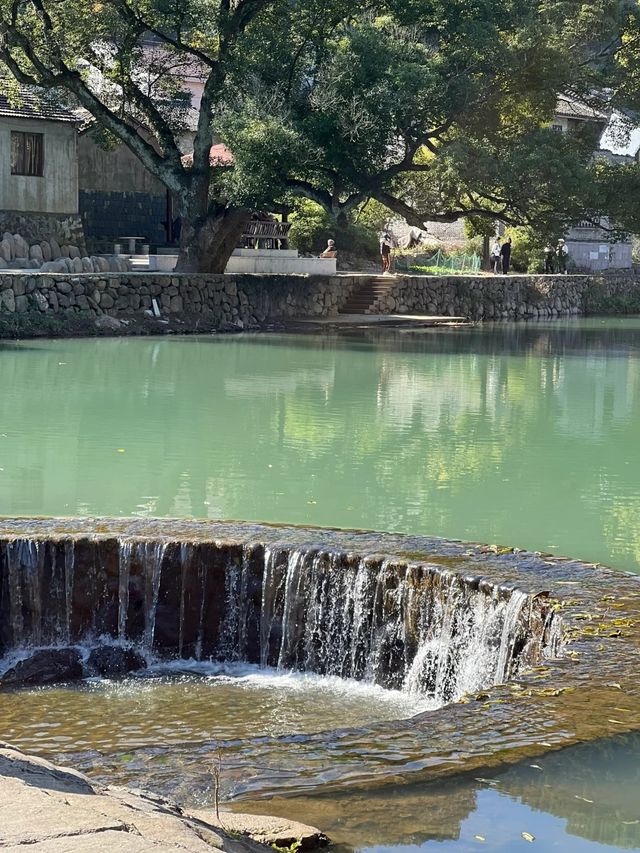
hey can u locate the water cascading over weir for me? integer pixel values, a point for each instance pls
(519, 653)
(399, 623)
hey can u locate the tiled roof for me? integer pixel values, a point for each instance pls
(19, 101)
(219, 155)
(573, 108)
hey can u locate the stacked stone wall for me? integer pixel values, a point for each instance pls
(35, 227)
(511, 297)
(252, 300)
(249, 300)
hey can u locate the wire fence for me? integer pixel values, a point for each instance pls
(439, 262)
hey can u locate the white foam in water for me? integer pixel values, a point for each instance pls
(252, 676)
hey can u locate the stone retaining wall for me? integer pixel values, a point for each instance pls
(34, 227)
(229, 298)
(511, 297)
(251, 300)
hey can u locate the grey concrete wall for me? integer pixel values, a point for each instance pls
(118, 196)
(113, 169)
(252, 300)
(57, 191)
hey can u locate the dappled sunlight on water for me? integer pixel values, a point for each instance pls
(163, 730)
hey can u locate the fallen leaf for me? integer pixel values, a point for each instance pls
(121, 450)
(528, 837)
(584, 799)
(535, 766)
(479, 838)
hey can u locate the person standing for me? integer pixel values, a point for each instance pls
(505, 252)
(386, 244)
(496, 257)
(549, 258)
(562, 253)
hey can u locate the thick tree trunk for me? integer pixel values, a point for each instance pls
(206, 243)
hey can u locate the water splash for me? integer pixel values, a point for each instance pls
(414, 627)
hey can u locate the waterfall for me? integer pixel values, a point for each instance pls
(411, 626)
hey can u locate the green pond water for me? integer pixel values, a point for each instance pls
(526, 435)
(522, 435)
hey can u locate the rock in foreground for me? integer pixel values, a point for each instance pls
(266, 829)
(49, 809)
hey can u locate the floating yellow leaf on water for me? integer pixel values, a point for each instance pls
(479, 838)
(614, 684)
(535, 766)
(528, 837)
(631, 822)
(617, 722)
(584, 799)
(121, 450)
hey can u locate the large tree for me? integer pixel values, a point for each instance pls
(436, 108)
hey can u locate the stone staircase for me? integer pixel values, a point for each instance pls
(364, 298)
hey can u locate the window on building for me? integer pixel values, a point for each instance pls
(557, 127)
(27, 154)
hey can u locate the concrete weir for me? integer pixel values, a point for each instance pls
(523, 653)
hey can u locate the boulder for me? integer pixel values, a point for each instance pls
(21, 247)
(45, 666)
(41, 301)
(55, 249)
(87, 266)
(115, 660)
(8, 301)
(54, 266)
(64, 251)
(7, 237)
(48, 808)
(46, 251)
(6, 251)
(35, 253)
(272, 831)
(76, 265)
(74, 252)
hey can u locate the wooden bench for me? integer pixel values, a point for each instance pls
(266, 235)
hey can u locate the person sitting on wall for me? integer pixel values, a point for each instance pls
(330, 251)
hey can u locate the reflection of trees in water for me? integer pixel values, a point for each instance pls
(514, 433)
(404, 815)
(605, 772)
